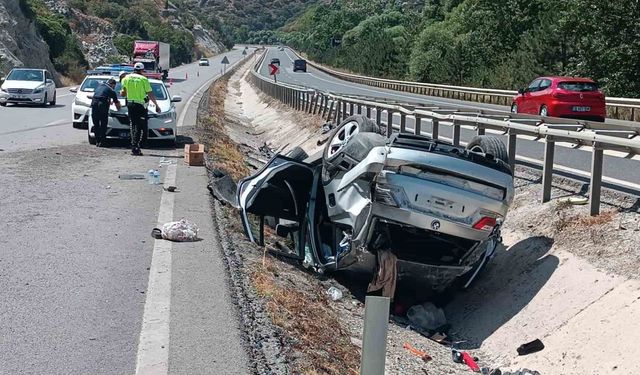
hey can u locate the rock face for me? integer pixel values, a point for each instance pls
(20, 44)
(96, 36)
(206, 42)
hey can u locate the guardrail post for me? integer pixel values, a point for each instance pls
(435, 126)
(456, 134)
(359, 109)
(368, 111)
(350, 109)
(325, 103)
(481, 130)
(330, 112)
(314, 103)
(417, 127)
(378, 116)
(547, 169)
(307, 102)
(389, 122)
(511, 149)
(374, 336)
(595, 187)
(403, 122)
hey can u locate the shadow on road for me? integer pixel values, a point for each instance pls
(512, 280)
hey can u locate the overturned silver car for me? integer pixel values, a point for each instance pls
(437, 207)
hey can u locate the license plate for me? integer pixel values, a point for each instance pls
(17, 96)
(124, 134)
(581, 109)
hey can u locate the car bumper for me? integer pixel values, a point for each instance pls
(22, 98)
(566, 109)
(79, 114)
(118, 127)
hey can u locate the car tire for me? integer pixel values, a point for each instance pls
(489, 145)
(44, 101)
(297, 153)
(341, 151)
(92, 140)
(514, 108)
(544, 111)
(3, 104)
(53, 102)
(601, 119)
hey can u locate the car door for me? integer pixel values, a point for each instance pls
(527, 104)
(277, 198)
(541, 95)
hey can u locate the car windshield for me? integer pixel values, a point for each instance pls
(26, 75)
(578, 86)
(90, 84)
(158, 89)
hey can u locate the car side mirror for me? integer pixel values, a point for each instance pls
(90, 96)
(176, 99)
(49, 81)
(73, 89)
(522, 91)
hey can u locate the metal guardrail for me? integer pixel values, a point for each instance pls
(597, 136)
(617, 108)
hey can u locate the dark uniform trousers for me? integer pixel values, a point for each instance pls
(138, 119)
(100, 118)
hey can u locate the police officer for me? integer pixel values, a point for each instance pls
(103, 96)
(136, 88)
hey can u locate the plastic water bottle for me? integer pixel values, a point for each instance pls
(150, 177)
(156, 177)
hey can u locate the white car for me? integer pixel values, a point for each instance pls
(160, 126)
(28, 86)
(203, 62)
(82, 103)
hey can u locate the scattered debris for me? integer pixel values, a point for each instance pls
(194, 154)
(136, 176)
(179, 231)
(574, 200)
(385, 277)
(334, 293)
(165, 161)
(530, 347)
(523, 371)
(322, 141)
(464, 357)
(427, 316)
(419, 353)
(266, 150)
(326, 128)
(224, 190)
(171, 189)
(153, 176)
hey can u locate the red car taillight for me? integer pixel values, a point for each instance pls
(486, 223)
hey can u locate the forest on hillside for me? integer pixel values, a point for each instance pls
(482, 43)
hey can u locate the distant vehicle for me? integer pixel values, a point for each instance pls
(28, 86)
(300, 64)
(562, 97)
(275, 61)
(439, 208)
(203, 62)
(160, 126)
(154, 55)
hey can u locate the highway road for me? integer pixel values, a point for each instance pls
(84, 287)
(619, 170)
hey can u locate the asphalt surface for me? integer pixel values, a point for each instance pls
(573, 161)
(76, 250)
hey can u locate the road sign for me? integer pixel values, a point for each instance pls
(225, 60)
(275, 70)
(244, 52)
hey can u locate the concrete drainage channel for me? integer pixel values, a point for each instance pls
(533, 288)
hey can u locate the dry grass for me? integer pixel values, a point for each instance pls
(310, 324)
(225, 154)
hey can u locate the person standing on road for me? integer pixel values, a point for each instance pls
(136, 88)
(103, 96)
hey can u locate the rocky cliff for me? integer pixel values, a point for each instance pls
(20, 44)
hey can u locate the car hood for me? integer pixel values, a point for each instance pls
(12, 84)
(165, 105)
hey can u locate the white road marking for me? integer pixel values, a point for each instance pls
(153, 346)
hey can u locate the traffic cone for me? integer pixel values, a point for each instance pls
(198, 73)
(170, 81)
(186, 76)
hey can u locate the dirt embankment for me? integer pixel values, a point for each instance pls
(561, 276)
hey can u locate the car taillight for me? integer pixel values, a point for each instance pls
(486, 223)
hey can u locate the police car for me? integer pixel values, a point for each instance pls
(160, 126)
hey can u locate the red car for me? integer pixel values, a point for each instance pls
(561, 97)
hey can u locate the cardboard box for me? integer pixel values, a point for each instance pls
(194, 154)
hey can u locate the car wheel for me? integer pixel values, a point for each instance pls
(92, 140)
(297, 153)
(514, 108)
(489, 145)
(53, 102)
(544, 111)
(3, 104)
(44, 101)
(347, 145)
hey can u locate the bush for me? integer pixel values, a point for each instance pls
(124, 43)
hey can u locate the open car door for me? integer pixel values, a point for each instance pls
(277, 195)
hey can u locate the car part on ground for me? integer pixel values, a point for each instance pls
(440, 206)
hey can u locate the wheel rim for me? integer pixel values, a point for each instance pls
(477, 148)
(543, 111)
(341, 138)
(514, 108)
